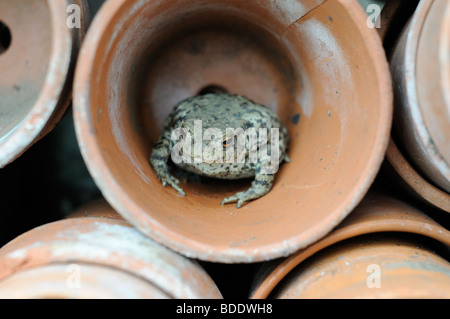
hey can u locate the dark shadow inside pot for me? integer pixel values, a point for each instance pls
(5, 37)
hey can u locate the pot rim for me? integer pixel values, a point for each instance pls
(415, 181)
(363, 224)
(57, 285)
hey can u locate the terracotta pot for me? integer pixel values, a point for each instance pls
(373, 267)
(420, 68)
(101, 256)
(316, 64)
(377, 214)
(392, 19)
(37, 58)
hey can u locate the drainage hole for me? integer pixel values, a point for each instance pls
(5, 37)
(216, 89)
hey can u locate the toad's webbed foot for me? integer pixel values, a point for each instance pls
(260, 187)
(158, 161)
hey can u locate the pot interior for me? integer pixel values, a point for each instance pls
(309, 62)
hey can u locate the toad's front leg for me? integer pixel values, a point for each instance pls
(260, 187)
(158, 161)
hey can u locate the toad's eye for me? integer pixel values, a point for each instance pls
(183, 132)
(227, 142)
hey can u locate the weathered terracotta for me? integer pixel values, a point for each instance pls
(112, 258)
(58, 281)
(317, 65)
(373, 267)
(391, 21)
(37, 65)
(420, 68)
(377, 214)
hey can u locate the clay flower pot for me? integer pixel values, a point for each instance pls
(390, 23)
(420, 67)
(344, 263)
(314, 62)
(370, 267)
(38, 50)
(96, 254)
